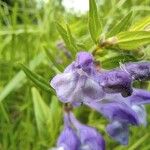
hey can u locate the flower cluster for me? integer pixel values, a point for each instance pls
(77, 136)
(109, 92)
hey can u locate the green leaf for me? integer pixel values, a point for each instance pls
(42, 112)
(94, 22)
(132, 39)
(56, 117)
(113, 62)
(141, 25)
(63, 33)
(53, 60)
(122, 25)
(139, 142)
(67, 37)
(48, 120)
(71, 39)
(37, 79)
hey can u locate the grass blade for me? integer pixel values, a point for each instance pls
(37, 79)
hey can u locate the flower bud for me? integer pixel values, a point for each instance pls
(68, 139)
(116, 81)
(118, 131)
(89, 137)
(138, 70)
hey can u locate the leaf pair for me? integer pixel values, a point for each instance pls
(68, 38)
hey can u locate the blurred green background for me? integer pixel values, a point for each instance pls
(31, 117)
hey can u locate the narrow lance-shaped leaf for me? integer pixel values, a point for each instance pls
(94, 22)
(71, 39)
(67, 37)
(122, 25)
(63, 33)
(42, 113)
(53, 60)
(133, 40)
(141, 25)
(37, 79)
(56, 117)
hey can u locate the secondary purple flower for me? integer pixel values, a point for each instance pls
(116, 81)
(89, 137)
(123, 112)
(76, 84)
(119, 131)
(120, 116)
(138, 70)
(115, 110)
(68, 139)
(139, 97)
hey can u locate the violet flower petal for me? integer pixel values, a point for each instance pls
(64, 84)
(89, 137)
(141, 113)
(84, 60)
(138, 70)
(116, 81)
(139, 97)
(118, 131)
(77, 84)
(116, 111)
(68, 138)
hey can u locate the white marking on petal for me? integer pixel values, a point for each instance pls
(141, 112)
(64, 84)
(57, 148)
(85, 147)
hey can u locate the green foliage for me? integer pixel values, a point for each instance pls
(143, 24)
(45, 117)
(122, 25)
(94, 22)
(131, 40)
(19, 79)
(31, 117)
(42, 113)
(67, 37)
(37, 79)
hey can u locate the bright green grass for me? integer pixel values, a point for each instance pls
(31, 118)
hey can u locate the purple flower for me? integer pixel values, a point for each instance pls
(89, 137)
(118, 131)
(116, 81)
(82, 82)
(137, 70)
(108, 92)
(139, 97)
(123, 112)
(68, 139)
(76, 84)
(120, 116)
(77, 136)
(116, 110)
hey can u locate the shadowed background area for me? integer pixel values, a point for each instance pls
(31, 34)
